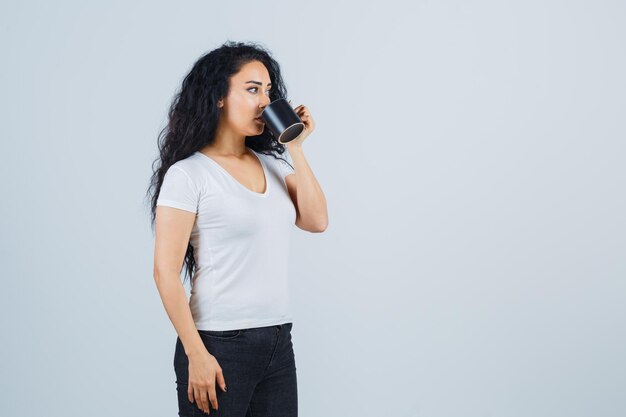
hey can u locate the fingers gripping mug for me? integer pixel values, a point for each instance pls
(282, 120)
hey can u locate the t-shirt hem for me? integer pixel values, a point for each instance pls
(247, 324)
(176, 204)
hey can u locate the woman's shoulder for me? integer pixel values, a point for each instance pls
(280, 163)
(191, 165)
(194, 168)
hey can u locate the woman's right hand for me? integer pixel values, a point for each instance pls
(204, 372)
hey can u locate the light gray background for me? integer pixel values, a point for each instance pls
(472, 155)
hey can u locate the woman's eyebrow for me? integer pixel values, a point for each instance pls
(258, 83)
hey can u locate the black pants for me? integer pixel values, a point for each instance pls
(259, 369)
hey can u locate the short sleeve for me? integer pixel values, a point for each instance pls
(178, 191)
(284, 167)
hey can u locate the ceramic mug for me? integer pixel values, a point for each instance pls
(282, 120)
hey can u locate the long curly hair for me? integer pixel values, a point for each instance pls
(193, 115)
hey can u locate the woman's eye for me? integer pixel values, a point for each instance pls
(256, 88)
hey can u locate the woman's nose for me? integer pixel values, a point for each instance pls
(264, 102)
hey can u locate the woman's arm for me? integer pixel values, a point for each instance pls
(304, 190)
(173, 228)
(306, 193)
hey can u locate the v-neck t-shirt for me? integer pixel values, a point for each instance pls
(240, 241)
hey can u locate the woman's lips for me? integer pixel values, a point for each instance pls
(258, 119)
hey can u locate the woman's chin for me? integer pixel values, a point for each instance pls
(255, 132)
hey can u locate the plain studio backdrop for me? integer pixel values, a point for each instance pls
(472, 155)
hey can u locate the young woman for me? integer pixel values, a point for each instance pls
(224, 204)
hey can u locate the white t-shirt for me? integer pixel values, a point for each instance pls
(240, 240)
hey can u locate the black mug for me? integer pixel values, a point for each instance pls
(282, 121)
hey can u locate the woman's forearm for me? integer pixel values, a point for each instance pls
(311, 200)
(176, 305)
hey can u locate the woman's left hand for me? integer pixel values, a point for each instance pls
(309, 125)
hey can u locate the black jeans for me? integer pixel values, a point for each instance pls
(259, 369)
